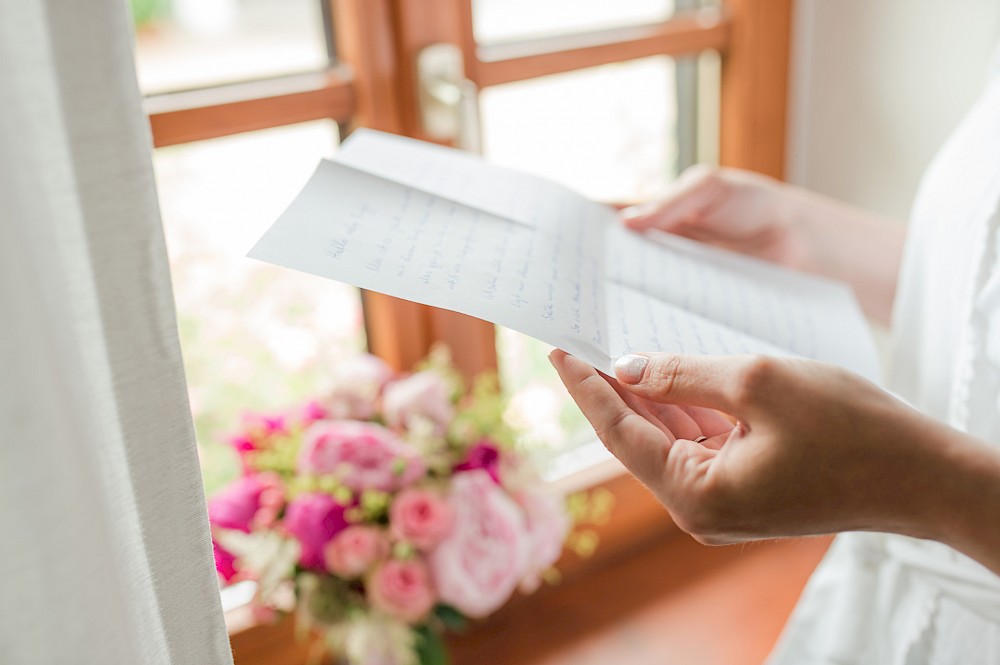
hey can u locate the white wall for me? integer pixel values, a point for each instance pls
(876, 87)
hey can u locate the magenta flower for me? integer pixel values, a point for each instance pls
(483, 455)
(242, 443)
(313, 519)
(235, 506)
(311, 412)
(363, 455)
(225, 561)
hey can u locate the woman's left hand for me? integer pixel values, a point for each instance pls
(814, 449)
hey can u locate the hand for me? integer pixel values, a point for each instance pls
(737, 210)
(815, 448)
(755, 215)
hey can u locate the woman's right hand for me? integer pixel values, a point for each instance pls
(730, 208)
(755, 215)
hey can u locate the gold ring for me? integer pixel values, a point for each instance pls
(700, 439)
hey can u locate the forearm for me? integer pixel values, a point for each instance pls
(966, 510)
(851, 245)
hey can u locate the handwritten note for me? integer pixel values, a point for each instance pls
(444, 228)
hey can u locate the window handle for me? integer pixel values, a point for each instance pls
(449, 102)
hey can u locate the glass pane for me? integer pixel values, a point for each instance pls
(183, 44)
(607, 132)
(506, 20)
(254, 336)
(616, 133)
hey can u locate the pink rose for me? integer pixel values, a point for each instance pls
(358, 382)
(420, 517)
(364, 455)
(353, 551)
(313, 519)
(401, 589)
(483, 455)
(235, 506)
(479, 565)
(548, 524)
(422, 396)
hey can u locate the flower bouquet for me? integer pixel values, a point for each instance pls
(385, 511)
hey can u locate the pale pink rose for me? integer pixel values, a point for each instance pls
(401, 589)
(422, 396)
(479, 565)
(353, 551)
(420, 517)
(358, 383)
(548, 524)
(363, 455)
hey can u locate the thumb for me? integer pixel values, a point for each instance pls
(689, 197)
(716, 382)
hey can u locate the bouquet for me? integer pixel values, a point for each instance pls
(385, 511)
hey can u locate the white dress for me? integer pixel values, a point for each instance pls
(891, 600)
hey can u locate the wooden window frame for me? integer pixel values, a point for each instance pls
(373, 85)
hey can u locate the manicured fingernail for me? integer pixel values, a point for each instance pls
(629, 368)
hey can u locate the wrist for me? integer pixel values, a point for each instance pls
(966, 514)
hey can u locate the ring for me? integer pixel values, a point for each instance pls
(700, 439)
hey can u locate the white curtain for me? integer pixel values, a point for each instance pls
(105, 554)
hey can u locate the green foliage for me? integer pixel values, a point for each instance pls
(451, 618)
(481, 414)
(145, 12)
(430, 647)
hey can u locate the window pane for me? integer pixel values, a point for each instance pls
(254, 336)
(510, 20)
(617, 133)
(506, 20)
(183, 44)
(607, 132)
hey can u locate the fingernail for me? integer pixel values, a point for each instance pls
(629, 368)
(631, 212)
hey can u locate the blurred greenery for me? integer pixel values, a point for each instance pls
(145, 12)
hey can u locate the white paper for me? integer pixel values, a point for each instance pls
(444, 228)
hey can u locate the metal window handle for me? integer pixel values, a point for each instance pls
(449, 103)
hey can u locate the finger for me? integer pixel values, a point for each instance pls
(711, 422)
(672, 419)
(640, 445)
(716, 382)
(644, 407)
(690, 196)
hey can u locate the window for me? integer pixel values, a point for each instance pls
(711, 75)
(255, 337)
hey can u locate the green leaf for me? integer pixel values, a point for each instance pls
(430, 647)
(451, 618)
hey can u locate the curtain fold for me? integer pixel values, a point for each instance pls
(105, 554)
